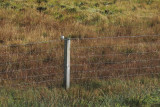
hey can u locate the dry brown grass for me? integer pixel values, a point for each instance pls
(19, 27)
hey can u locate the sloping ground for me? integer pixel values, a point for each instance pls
(27, 58)
(40, 20)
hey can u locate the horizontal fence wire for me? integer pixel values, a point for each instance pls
(60, 79)
(53, 61)
(114, 37)
(122, 69)
(115, 77)
(35, 76)
(115, 54)
(33, 83)
(103, 46)
(82, 67)
(29, 44)
(24, 61)
(55, 40)
(29, 69)
(27, 53)
(15, 56)
(120, 62)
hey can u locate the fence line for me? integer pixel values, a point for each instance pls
(41, 75)
(29, 44)
(116, 54)
(24, 53)
(25, 65)
(15, 62)
(33, 83)
(120, 62)
(20, 70)
(114, 37)
(74, 47)
(123, 69)
(115, 77)
(55, 40)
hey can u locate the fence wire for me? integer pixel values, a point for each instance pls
(111, 57)
(36, 63)
(115, 37)
(115, 77)
(31, 64)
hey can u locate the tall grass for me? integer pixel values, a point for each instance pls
(26, 22)
(118, 92)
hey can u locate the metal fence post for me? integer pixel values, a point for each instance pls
(67, 44)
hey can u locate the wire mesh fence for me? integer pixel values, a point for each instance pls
(115, 57)
(31, 64)
(42, 63)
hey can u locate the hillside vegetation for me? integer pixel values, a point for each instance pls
(28, 62)
(39, 20)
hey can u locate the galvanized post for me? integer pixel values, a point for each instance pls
(67, 44)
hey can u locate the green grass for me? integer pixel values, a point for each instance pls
(42, 20)
(143, 91)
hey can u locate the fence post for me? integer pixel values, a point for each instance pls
(67, 44)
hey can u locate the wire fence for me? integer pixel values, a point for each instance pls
(115, 57)
(48, 63)
(31, 64)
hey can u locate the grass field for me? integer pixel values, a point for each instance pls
(26, 22)
(119, 92)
